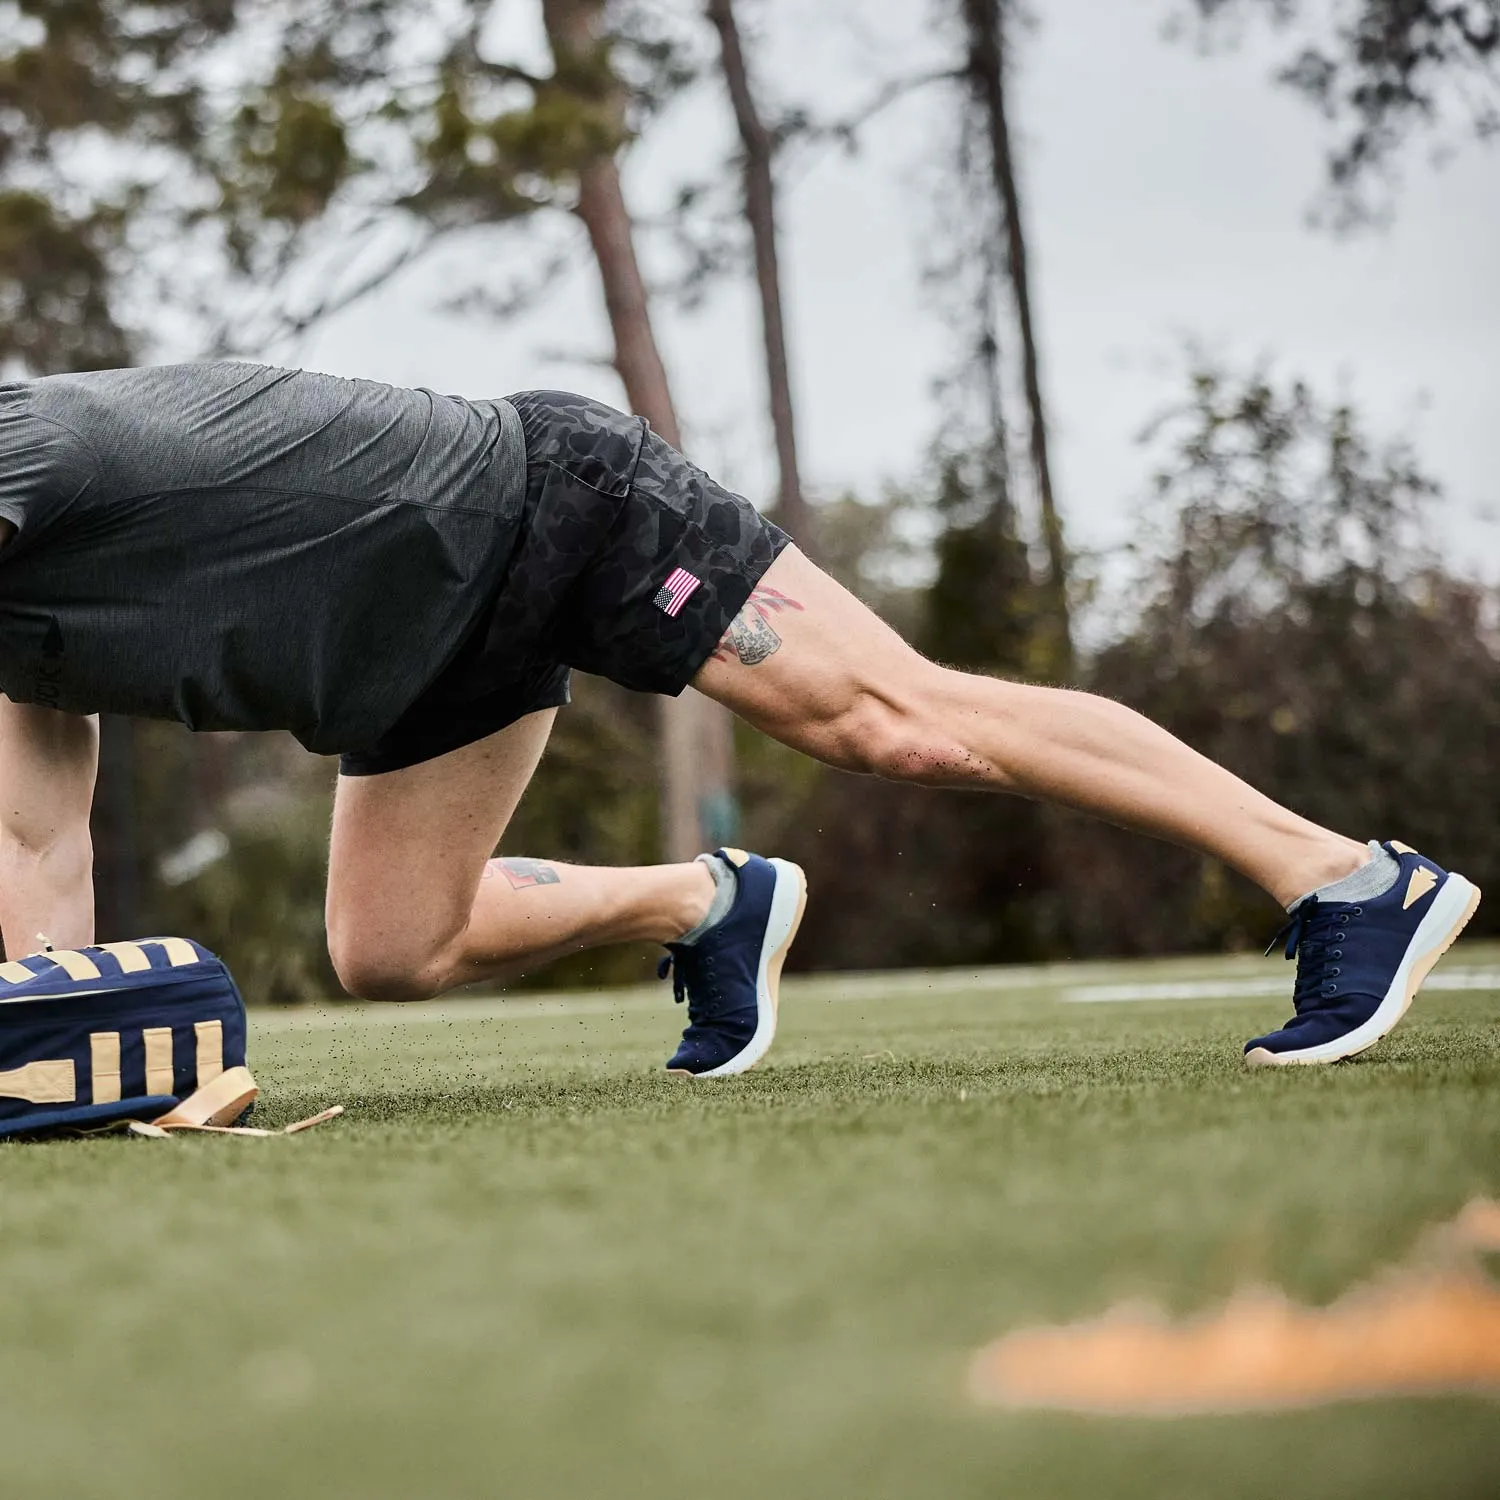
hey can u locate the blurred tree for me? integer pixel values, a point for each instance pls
(981, 611)
(1289, 617)
(985, 23)
(881, 550)
(1383, 71)
(758, 147)
(95, 100)
(55, 304)
(988, 608)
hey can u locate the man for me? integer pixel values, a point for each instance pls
(405, 579)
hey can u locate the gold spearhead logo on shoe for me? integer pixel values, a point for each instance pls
(1422, 881)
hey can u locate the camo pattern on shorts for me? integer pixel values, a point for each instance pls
(611, 511)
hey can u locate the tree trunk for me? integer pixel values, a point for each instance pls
(792, 512)
(1003, 509)
(697, 807)
(987, 78)
(601, 206)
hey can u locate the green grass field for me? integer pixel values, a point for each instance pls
(527, 1264)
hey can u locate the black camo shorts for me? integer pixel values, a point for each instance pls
(630, 563)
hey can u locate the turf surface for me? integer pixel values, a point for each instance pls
(527, 1264)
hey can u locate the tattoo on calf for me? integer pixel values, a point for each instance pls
(751, 636)
(523, 873)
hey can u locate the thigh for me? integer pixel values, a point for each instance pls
(408, 847)
(806, 661)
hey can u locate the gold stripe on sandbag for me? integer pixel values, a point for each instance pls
(179, 951)
(158, 1041)
(104, 1065)
(210, 1036)
(77, 965)
(15, 972)
(132, 957)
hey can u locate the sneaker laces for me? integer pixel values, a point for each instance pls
(692, 975)
(1313, 934)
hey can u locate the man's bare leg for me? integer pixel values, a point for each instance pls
(416, 904)
(806, 662)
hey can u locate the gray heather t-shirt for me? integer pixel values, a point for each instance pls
(240, 547)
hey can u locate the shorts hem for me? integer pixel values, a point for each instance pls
(418, 750)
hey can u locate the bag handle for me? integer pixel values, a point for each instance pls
(215, 1107)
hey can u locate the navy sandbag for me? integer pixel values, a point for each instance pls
(93, 1035)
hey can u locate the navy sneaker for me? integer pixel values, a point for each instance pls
(1359, 963)
(731, 975)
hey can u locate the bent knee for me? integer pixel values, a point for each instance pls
(370, 970)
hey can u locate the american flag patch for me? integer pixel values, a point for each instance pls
(676, 591)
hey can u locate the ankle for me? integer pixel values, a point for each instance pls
(1322, 866)
(691, 898)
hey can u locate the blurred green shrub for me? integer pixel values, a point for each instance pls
(261, 909)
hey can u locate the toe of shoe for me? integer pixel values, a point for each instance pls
(703, 1054)
(1297, 1043)
(685, 1059)
(1267, 1048)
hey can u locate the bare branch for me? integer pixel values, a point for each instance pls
(285, 324)
(845, 132)
(713, 244)
(508, 73)
(522, 295)
(579, 359)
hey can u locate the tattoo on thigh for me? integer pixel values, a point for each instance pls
(751, 636)
(523, 873)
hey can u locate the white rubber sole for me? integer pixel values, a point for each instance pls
(788, 903)
(1449, 915)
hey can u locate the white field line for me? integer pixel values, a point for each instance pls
(1207, 989)
(869, 986)
(1047, 982)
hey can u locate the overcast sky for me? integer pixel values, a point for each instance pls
(1166, 194)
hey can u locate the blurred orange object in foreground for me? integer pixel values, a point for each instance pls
(1417, 1331)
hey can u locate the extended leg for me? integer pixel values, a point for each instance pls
(416, 904)
(809, 664)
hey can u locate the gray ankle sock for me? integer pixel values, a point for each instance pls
(1373, 878)
(726, 884)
